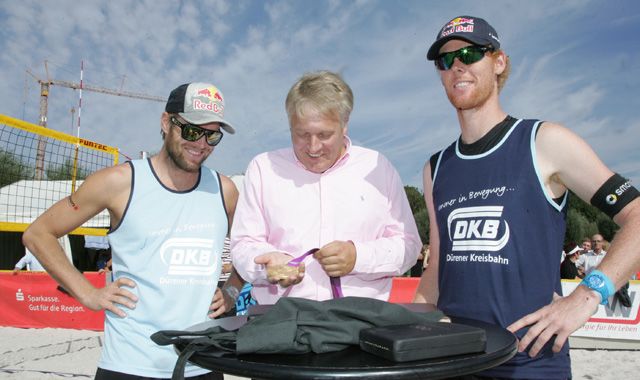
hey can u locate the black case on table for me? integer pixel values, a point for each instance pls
(401, 343)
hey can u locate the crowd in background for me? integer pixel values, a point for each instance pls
(578, 260)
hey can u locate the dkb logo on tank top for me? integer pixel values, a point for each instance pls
(476, 233)
(478, 229)
(188, 256)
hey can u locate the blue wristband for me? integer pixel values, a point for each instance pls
(599, 282)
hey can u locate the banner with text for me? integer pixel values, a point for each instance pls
(33, 299)
(614, 321)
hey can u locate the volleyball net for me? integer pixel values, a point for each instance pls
(40, 166)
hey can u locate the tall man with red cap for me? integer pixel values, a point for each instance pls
(504, 180)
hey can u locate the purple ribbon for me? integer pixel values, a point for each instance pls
(336, 287)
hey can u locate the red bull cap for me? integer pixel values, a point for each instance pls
(199, 103)
(472, 29)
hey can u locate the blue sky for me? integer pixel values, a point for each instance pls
(575, 62)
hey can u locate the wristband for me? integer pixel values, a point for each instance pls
(232, 292)
(599, 282)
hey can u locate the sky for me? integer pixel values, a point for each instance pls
(574, 62)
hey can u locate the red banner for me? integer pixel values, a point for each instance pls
(403, 289)
(33, 299)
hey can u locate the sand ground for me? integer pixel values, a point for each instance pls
(30, 354)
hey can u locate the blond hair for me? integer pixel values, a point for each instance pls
(502, 78)
(321, 92)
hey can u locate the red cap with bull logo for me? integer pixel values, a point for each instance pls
(199, 103)
(468, 28)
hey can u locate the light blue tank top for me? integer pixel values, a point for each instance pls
(170, 243)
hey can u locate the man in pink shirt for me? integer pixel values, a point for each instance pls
(323, 192)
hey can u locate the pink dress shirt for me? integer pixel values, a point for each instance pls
(286, 208)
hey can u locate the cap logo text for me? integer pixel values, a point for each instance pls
(458, 25)
(208, 106)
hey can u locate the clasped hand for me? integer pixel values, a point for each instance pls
(336, 258)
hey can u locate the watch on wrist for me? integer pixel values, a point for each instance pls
(599, 282)
(232, 292)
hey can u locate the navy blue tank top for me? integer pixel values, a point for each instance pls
(501, 239)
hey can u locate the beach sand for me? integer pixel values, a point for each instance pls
(60, 353)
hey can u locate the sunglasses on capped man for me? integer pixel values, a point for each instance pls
(191, 132)
(467, 55)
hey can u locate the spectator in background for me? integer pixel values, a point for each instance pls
(98, 252)
(586, 245)
(568, 269)
(597, 244)
(586, 248)
(104, 259)
(107, 270)
(418, 268)
(30, 261)
(590, 260)
(426, 250)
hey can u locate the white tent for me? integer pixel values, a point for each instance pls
(25, 200)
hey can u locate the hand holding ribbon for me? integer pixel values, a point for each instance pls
(278, 272)
(336, 258)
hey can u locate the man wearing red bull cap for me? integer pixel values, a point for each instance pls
(169, 217)
(501, 182)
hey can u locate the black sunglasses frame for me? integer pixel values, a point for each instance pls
(192, 132)
(467, 55)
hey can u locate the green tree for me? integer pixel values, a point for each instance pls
(13, 169)
(577, 227)
(422, 221)
(419, 211)
(416, 199)
(65, 171)
(588, 211)
(590, 221)
(606, 227)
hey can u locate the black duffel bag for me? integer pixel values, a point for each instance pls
(294, 326)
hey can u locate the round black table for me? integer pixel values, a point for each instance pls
(353, 363)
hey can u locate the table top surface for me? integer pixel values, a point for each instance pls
(353, 363)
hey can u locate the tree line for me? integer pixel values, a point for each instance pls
(13, 170)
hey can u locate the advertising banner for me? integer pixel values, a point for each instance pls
(33, 299)
(614, 321)
(611, 322)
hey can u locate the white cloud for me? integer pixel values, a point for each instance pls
(571, 65)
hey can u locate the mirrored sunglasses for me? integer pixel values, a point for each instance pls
(191, 132)
(467, 55)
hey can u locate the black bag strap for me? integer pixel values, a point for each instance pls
(167, 337)
(195, 341)
(181, 364)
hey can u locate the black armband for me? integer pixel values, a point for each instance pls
(614, 194)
